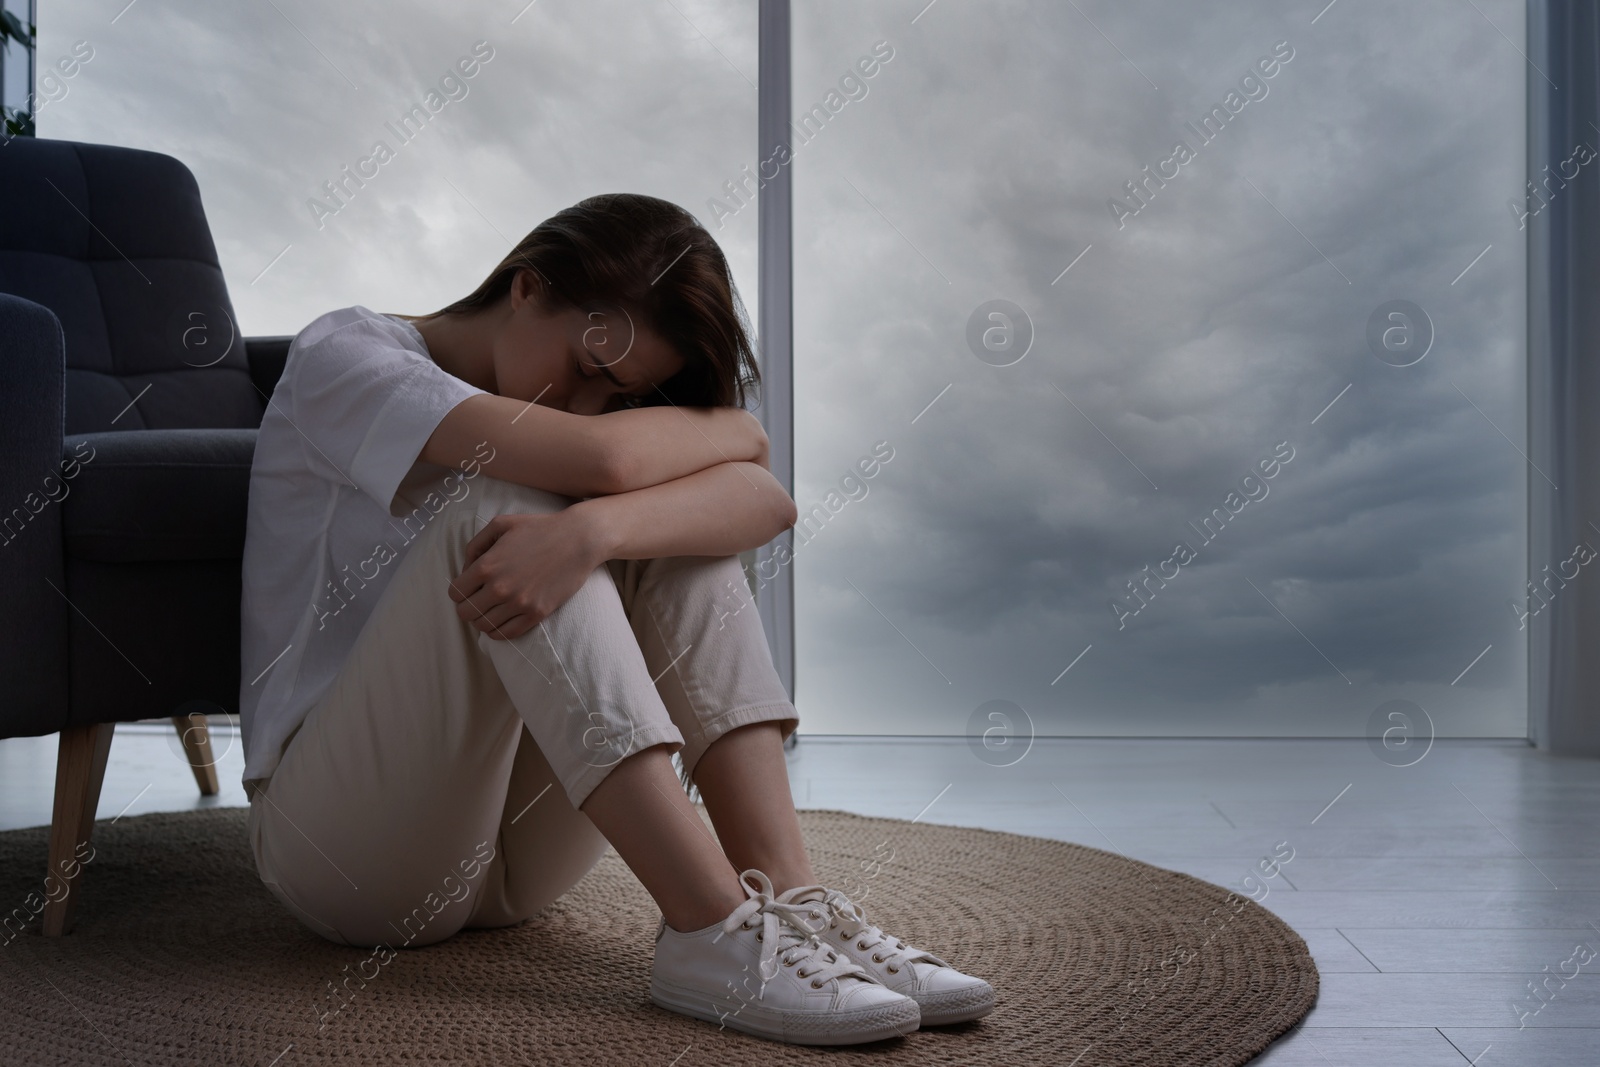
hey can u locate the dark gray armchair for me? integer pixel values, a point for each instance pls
(128, 413)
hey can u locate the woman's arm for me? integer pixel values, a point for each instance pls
(591, 455)
(719, 511)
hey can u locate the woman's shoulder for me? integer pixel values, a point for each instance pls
(351, 337)
(356, 324)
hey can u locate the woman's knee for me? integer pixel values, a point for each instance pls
(443, 525)
(496, 496)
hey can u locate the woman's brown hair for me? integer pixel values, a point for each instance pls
(654, 259)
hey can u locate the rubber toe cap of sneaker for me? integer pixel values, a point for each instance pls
(947, 980)
(857, 996)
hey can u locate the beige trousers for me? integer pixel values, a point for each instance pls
(436, 785)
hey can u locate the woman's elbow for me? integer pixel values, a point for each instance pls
(615, 470)
(787, 512)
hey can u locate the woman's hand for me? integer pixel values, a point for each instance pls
(521, 568)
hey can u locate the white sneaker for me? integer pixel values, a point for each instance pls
(943, 994)
(764, 971)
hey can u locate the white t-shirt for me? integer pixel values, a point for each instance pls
(336, 496)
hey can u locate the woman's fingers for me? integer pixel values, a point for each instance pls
(485, 537)
(464, 585)
(477, 573)
(504, 622)
(515, 626)
(488, 620)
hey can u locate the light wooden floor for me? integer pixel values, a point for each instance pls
(1430, 895)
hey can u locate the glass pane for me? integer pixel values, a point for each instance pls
(1160, 367)
(14, 87)
(280, 110)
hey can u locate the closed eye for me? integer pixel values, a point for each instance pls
(630, 399)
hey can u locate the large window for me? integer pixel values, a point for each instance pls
(1184, 345)
(1158, 368)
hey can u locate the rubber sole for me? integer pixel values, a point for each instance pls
(957, 1006)
(795, 1028)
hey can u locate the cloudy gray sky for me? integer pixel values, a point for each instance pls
(1178, 351)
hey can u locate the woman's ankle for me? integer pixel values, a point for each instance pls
(690, 915)
(642, 811)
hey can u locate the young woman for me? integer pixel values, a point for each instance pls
(493, 550)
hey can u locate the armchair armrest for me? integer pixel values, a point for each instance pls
(34, 616)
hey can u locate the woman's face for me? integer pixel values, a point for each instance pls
(587, 364)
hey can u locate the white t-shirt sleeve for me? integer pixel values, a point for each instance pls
(365, 404)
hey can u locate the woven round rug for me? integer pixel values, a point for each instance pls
(180, 955)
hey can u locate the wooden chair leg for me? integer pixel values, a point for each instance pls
(80, 770)
(195, 732)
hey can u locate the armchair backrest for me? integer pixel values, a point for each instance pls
(114, 241)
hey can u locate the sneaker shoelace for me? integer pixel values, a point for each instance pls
(853, 926)
(787, 940)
